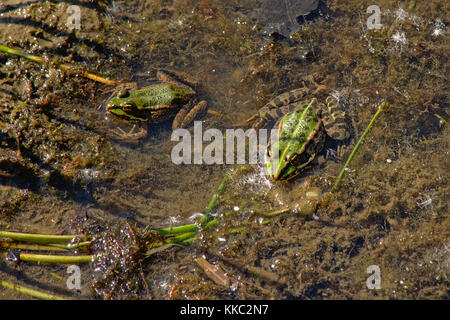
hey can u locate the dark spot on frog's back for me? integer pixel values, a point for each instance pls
(292, 97)
(301, 137)
(339, 131)
(277, 102)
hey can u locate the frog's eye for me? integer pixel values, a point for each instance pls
(123, 93)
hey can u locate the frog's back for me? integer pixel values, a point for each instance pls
(162, 94)
(300, 123)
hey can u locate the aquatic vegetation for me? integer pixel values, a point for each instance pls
(391, 207)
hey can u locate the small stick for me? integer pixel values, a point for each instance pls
(215, 273)
(60, 65)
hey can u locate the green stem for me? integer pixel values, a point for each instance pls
(203, 220)
(176, 230)
(30, 292)
(182, 237)
(54, 258)
(341, 174)
(21, 54)
(70, 246)
(60, 65)
(32, 247)
(212, 203)
(38, 238)
(441, 118)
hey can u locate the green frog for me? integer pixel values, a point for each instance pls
(302, 126)
(156, 103)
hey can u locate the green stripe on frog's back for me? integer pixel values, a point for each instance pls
(295, 129)
(304, 122)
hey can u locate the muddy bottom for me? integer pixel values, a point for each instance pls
(65, 170)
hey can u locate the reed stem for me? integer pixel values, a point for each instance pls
(361, 139)
(38, 238)
(28, 291)
(47, 258)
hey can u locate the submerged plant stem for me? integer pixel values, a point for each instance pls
(32, 247)
(54, 258)
(60, 65)
(28, 291)
(38, 238)
(341, 174)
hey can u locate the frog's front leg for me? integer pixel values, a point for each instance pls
(189, 113)
(132, 135)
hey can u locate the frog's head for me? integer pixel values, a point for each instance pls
(123, 106)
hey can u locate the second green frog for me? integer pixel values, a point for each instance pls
(301, 126)
(157, 103)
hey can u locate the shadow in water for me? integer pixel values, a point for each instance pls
(17, 173)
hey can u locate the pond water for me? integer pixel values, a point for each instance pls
(64, 170)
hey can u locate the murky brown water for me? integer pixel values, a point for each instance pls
(391, 209)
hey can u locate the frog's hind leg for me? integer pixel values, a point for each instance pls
(189, 113)
(333, 118)
(274, 109)
(287, 98)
